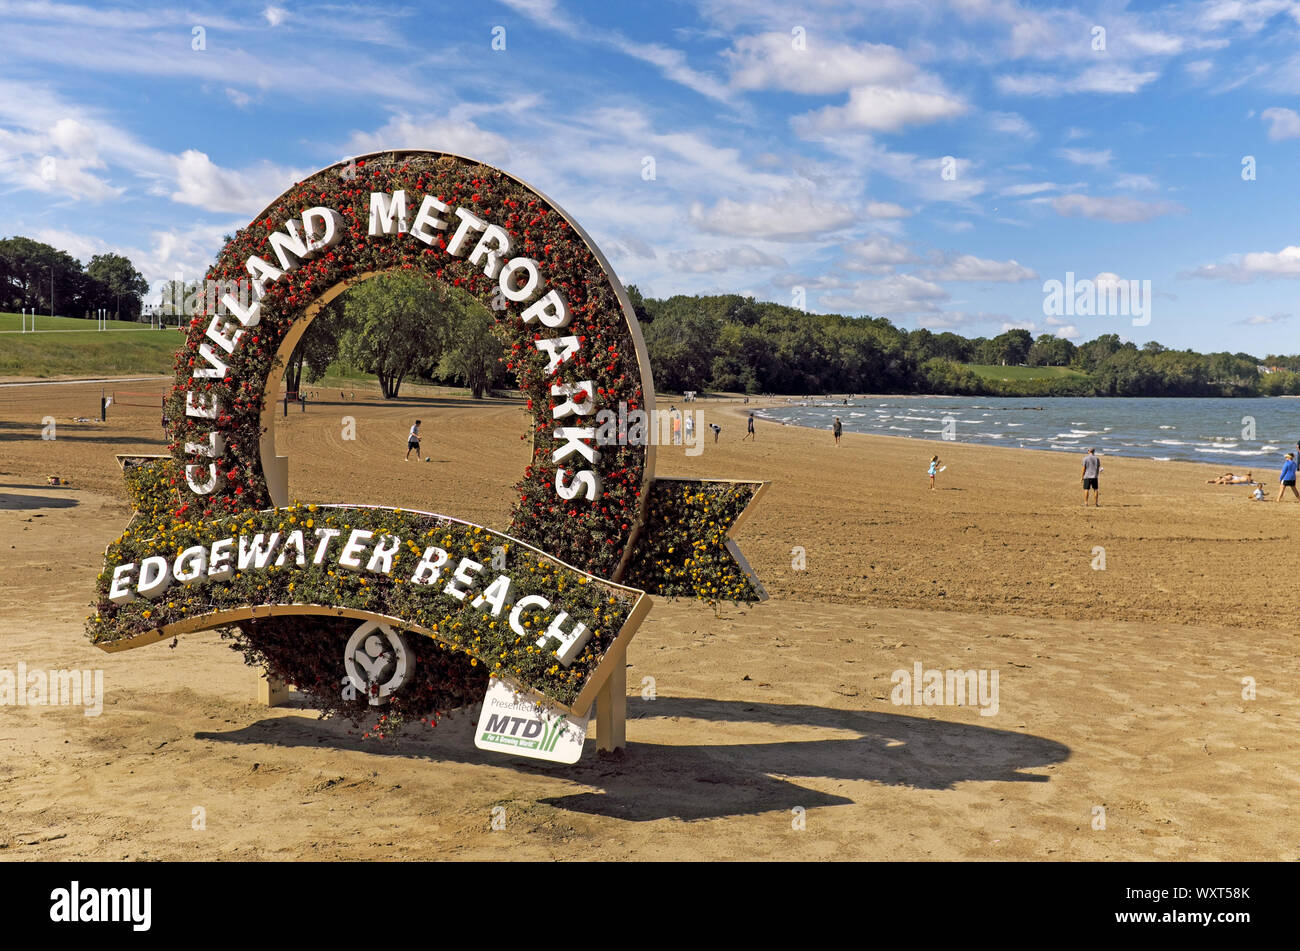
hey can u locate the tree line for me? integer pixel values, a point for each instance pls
(733, 343)
(38, 276)
(398, 329)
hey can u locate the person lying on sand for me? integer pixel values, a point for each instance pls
(1230, 479)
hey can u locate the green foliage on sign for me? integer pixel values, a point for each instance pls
(488, 639)
(683, 551)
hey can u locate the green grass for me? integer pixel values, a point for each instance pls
(994, 372)
(127, 348)
(46, 322)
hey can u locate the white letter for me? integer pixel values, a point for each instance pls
(466, 565)
(290, 249)
(356, 544)
(197, 558)
(430, 566)
(522, 605)
(551, 310)
(155, 576)
(204, 407)
(467, 221)
(566, 346)
(573, 436)
(119, 592)
(384, 554)
(426, 217)
(219, 566)
(507, 280)
(388, 216)
(202, 488)
(570, 643)
(491, 257)
(569, 390)
(262, 274)
(332, 228)
(586, 483)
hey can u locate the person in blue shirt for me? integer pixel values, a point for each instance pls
(1287, 478)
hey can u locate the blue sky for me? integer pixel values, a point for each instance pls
(793, 145)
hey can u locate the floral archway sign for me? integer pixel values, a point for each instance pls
(413, 612)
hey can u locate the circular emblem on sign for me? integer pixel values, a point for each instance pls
(378, 661)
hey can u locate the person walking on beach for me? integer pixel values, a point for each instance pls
(413, 442)
(750, 434)
(1091, 473)
(838, 429)
(934, 470)
(1287, 478)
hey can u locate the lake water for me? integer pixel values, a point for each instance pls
(1193, 430)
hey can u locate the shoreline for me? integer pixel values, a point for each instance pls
(1269, 461)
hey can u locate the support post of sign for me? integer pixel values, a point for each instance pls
(271, 690)
(611, 708)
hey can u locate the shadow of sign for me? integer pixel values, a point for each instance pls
(9, 502)
(707, 780)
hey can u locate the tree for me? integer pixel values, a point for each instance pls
(122, 282)
(471, 351)
(393, 325)
(29, 269)
(318, 347)
(1012, 348)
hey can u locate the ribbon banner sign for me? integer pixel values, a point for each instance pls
(411, 613)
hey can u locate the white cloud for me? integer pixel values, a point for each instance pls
(1010, 123)
(889, 296)
(1282, 123)
(200, 182)
(880, 109)
(968, 267)
(275, 15)
(794, 216)
(1260, 320)
(1136, 182)
(670, 62)
(742, 257)
(450, 133)
(1097, 158)
(1029, 188)
(886, 209)
(1251, 15)
(1102, 79)
(1116, 209)
(1243, 268)
(770, 61)
(876, 254)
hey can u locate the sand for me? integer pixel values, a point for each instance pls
(1119, 690)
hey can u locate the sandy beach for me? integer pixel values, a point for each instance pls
(1120, 689)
